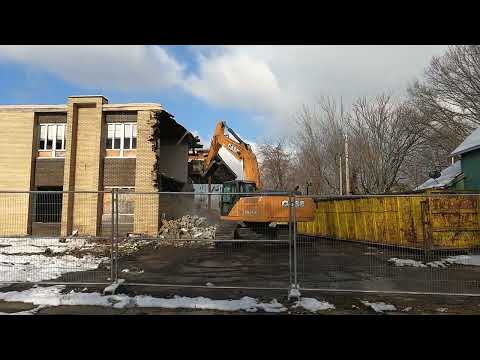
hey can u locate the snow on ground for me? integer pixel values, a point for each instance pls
(41, 267)
(24, 259)
(464, 260)
(379, 307)
(26, 312)
(406, 262)
(53, 296)
(313, 305)
(473, 260)
(39, 245)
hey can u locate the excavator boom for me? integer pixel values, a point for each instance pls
(239, 149)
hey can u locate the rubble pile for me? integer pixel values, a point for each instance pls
(187, 227)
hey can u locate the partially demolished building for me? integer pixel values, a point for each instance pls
(88, 146)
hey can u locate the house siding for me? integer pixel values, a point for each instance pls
(471, 170)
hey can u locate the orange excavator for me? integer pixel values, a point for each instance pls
(245, 214)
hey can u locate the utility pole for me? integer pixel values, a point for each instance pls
(347, 175)
(340, 175)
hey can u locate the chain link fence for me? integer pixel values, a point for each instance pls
(408, 244)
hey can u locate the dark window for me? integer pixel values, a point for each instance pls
(48, 205)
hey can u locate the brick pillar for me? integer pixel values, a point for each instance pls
(146, 212)
(16, 168)
(83, 159)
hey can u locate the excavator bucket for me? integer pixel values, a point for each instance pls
(211, 169)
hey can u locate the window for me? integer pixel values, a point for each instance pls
(52, 137)
(121, 136)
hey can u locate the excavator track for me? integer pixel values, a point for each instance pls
(232, 230)
(226, 230)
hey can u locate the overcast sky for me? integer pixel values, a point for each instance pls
(255, 89)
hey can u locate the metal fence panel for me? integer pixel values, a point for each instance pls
(411, 244)
(420, 244)
(35, 248)
(176, 241)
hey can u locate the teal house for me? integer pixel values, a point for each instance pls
(464, 174)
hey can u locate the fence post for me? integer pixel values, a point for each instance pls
(294, 287)
(116, 234)
(112, 229)
(290, 239)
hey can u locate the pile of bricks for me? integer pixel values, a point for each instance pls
(187, 227)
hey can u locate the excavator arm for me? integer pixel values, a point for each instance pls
(239, 149)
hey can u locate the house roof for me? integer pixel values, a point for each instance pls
(471, 142)
(447, 177)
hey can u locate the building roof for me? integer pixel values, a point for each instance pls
(63, 107)
(58, 107)
(471, 142)
(447, 177)
(132, 106)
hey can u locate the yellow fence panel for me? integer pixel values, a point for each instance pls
(439, 222)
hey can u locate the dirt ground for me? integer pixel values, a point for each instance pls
(322, 264)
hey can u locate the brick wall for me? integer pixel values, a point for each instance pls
(51, 118)
(16, 158)
(146, 205)
(49, 172)
(83, 166)
(119, 172)
(121, 116)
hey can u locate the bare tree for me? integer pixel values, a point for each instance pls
(318, 145)
(276, 165)
(449, 95)
(383, 136)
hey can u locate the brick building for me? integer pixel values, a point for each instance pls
(87, 145)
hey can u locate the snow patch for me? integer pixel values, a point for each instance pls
(26, 312)
(379, 307)
(473, 260)
(313, 305)
(40, 267)
(406, 262)
(40, 245)
(25, 259)
(53, 296)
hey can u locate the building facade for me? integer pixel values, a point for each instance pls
(84, 148)
(464, 174)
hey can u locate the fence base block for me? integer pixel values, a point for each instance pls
(112, 288)
(294, 292)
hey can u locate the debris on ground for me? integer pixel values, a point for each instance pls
(407, 309)
(442, 310)
(187, 227)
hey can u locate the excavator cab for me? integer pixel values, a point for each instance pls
(235, 187)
